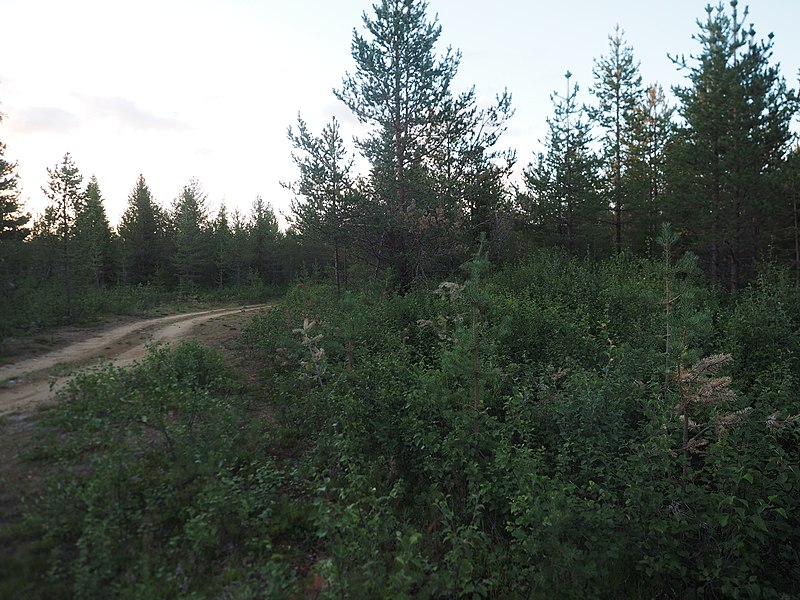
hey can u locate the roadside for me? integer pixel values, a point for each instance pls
(26, 383)
(25, 393)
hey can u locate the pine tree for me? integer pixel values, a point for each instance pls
(468, 176)
(66, 200)
(737, 111)
(324, 203)
(222, 242)
(398, 85)
(44, 247)
(12, 232)
(12, 219)
(562, 200)
(618, 88)
(792, 186)
(788, 233)
(93, 236)
(652, 136)
(65, 195)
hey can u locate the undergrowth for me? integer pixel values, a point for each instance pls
(524, 433)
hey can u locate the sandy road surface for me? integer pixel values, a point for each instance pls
(26, 384)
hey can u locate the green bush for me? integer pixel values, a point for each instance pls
(165, 488)
(567, 478)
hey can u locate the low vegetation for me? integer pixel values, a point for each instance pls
(524, 432)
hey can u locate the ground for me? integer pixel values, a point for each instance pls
(32, 368)
(35, 365)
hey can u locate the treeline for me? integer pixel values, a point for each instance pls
(181, 245)
(720, 162)
(59, 266)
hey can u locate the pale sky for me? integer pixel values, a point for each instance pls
(176, 89)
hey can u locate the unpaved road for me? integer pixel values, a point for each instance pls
(26, 384)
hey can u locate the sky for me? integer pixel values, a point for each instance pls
(206, 89)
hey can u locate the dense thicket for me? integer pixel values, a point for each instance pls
(513, 433)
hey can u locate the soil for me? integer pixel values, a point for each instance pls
(39, 366)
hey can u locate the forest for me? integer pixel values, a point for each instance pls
(581, 384)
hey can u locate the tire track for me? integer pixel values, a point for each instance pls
(30, 383)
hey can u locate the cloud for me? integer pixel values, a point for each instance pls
(129, 114)
(42, 119)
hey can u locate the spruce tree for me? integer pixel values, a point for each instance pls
(222, 239)
(263, 238)
(192, 247)
(141, 236)
(93, 236)
(562, 197)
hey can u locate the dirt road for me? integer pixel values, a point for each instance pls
(26, 384)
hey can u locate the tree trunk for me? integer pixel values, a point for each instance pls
(618, 180)
(796, 244)
(735, 247)
(337, 269)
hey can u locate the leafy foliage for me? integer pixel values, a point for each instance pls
(502, 434)
(164, 491)
(567, 477)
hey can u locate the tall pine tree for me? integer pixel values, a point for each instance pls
(652, 138)
(12, 217)
(13, 231)
(468, 176)
(67, 199)
(397, 87)
(618, 89)
(324, 203)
